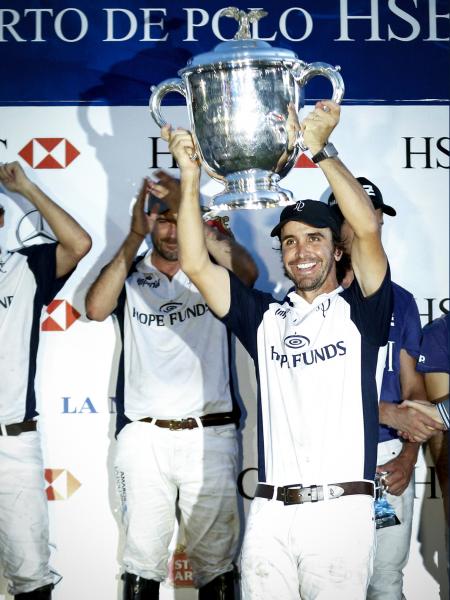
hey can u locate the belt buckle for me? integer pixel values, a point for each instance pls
(286, 488)
(175, 425)
(314, 494)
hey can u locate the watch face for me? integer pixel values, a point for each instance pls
(328, 151)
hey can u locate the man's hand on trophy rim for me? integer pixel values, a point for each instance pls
(182, 147)
(328, 106)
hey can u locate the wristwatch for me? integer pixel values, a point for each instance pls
(328, 151)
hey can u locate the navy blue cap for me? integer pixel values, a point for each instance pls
(374, 194)
(312, 212)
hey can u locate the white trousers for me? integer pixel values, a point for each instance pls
(157, 468)
(24, 550)
(312, 551)
(392, 543)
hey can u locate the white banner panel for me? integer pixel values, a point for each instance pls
(91, 160)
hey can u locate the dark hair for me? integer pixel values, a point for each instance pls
(2, 211)
(344, 265)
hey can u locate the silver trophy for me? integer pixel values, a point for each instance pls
(243, 100)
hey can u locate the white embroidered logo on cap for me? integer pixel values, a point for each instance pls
(369, 189)
(299, 206)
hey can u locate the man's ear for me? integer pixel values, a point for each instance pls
(338, 254)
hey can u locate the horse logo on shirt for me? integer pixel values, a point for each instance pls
(149, 280)
(324, 306)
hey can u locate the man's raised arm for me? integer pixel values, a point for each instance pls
(73, 241)
(369, 261)
(225, 250)
(103, 294)
(212, 280)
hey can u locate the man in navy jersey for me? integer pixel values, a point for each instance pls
(176, 420)
(29, 279)
(310, 529)
(396, 459)
(434, 363)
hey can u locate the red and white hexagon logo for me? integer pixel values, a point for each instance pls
(60, 484)
(49, 153)
(63, 316)
(304, 162)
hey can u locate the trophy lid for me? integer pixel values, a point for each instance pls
(241, 50)
(242, 47)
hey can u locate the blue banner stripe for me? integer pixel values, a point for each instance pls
(113, 53)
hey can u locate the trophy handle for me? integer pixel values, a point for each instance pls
(158, 92)
(303, 72)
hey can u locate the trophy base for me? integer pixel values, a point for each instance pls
(251, 189)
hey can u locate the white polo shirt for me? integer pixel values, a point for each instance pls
(315, 365)
(27, 283)
(175, 357)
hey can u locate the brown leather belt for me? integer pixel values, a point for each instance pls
(211, 420)
(297, 494)
(17, 428)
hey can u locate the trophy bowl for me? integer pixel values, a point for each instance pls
(243, 100)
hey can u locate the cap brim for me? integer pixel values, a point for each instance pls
(276, 231)
(388, 210)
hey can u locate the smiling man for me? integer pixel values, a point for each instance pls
(310, 529)
(176, 418)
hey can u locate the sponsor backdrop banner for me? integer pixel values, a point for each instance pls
(111, 52)
(91, 159)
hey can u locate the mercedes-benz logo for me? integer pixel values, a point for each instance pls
(31, 227)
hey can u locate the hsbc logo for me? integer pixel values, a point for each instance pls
(304, 162)
(63, 316)
(61, 484)
(49, 153)
(427, 153)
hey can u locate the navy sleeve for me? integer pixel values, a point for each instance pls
(42, 263)
(434, 348)
(246, 312)
(412, 331)
(372, 314)
(118, 311)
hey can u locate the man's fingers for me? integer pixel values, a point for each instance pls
(182, 143)
(328, 106)
(158, 190)
(143, 192)
(165, 178)
(152, 216)
(165, 132)
(395, 482)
